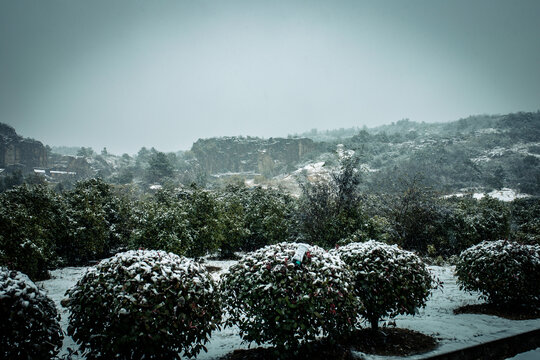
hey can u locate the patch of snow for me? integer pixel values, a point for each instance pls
(488, 131)
(520, 148)
(155, 187)
(504, 194)
(367, 168)
(240, 173)
(342, 153)
(224, 266)
(59, 172)
(314, 171)
(61, 280)
(455, 331)
(523, 148)
(497, 152)
(458, 195)
(312, 168)
(480, 159)
(529, 355)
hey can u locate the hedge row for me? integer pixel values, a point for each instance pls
(160, 305)
(42, 230)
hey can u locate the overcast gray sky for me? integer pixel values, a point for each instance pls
(123, 74)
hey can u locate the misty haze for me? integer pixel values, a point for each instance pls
(269, 180)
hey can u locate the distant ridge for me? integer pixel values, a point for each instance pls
(21, 153)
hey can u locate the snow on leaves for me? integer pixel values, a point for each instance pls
(504, 272)
(273, 300)
(141, 302)
(30, 325)
(389, 281)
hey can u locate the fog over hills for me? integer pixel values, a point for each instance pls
(478, 153)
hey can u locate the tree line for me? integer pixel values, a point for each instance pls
(41, 229)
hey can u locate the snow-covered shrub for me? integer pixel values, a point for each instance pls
(29, 328)
(273, 300)
(389, 280)
(143, 303)
(503, 272)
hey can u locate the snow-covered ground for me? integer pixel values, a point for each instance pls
(437, 319)
(504, 194)
(61, 280)
(497, 152)
(528, 355)
(456, 331)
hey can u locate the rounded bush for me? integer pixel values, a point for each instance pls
(389, 281)
(272, 299)
(142, 303)
(30, 327)
(503, 272)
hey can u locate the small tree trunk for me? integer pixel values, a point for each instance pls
(374, 321)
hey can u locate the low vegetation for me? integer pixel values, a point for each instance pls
(505, 273)
(150, 210)
(143, 304)
(273, 299)
(41, 229)
(30, 327)
(389, 281)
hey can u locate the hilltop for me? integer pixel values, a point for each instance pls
(479, 153)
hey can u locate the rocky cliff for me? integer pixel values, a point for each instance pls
(16, 151)
(251, 155)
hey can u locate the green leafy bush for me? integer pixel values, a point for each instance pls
(29, 328)
(160, 226)
(331, 210)
(150, 304)
(473, 221)
(33, 224)
(503, 272)
(98, 222)
(273, 300)
(389, 281)
(232, 202)
(526, 220)
(205, 227)
(374, 227)
(268, 217)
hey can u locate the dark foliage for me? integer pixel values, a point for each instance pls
(330, 211)
(30, 327)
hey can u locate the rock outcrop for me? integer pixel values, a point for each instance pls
(251, 155)
(19, 152)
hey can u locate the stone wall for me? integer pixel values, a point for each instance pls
(237, 154)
